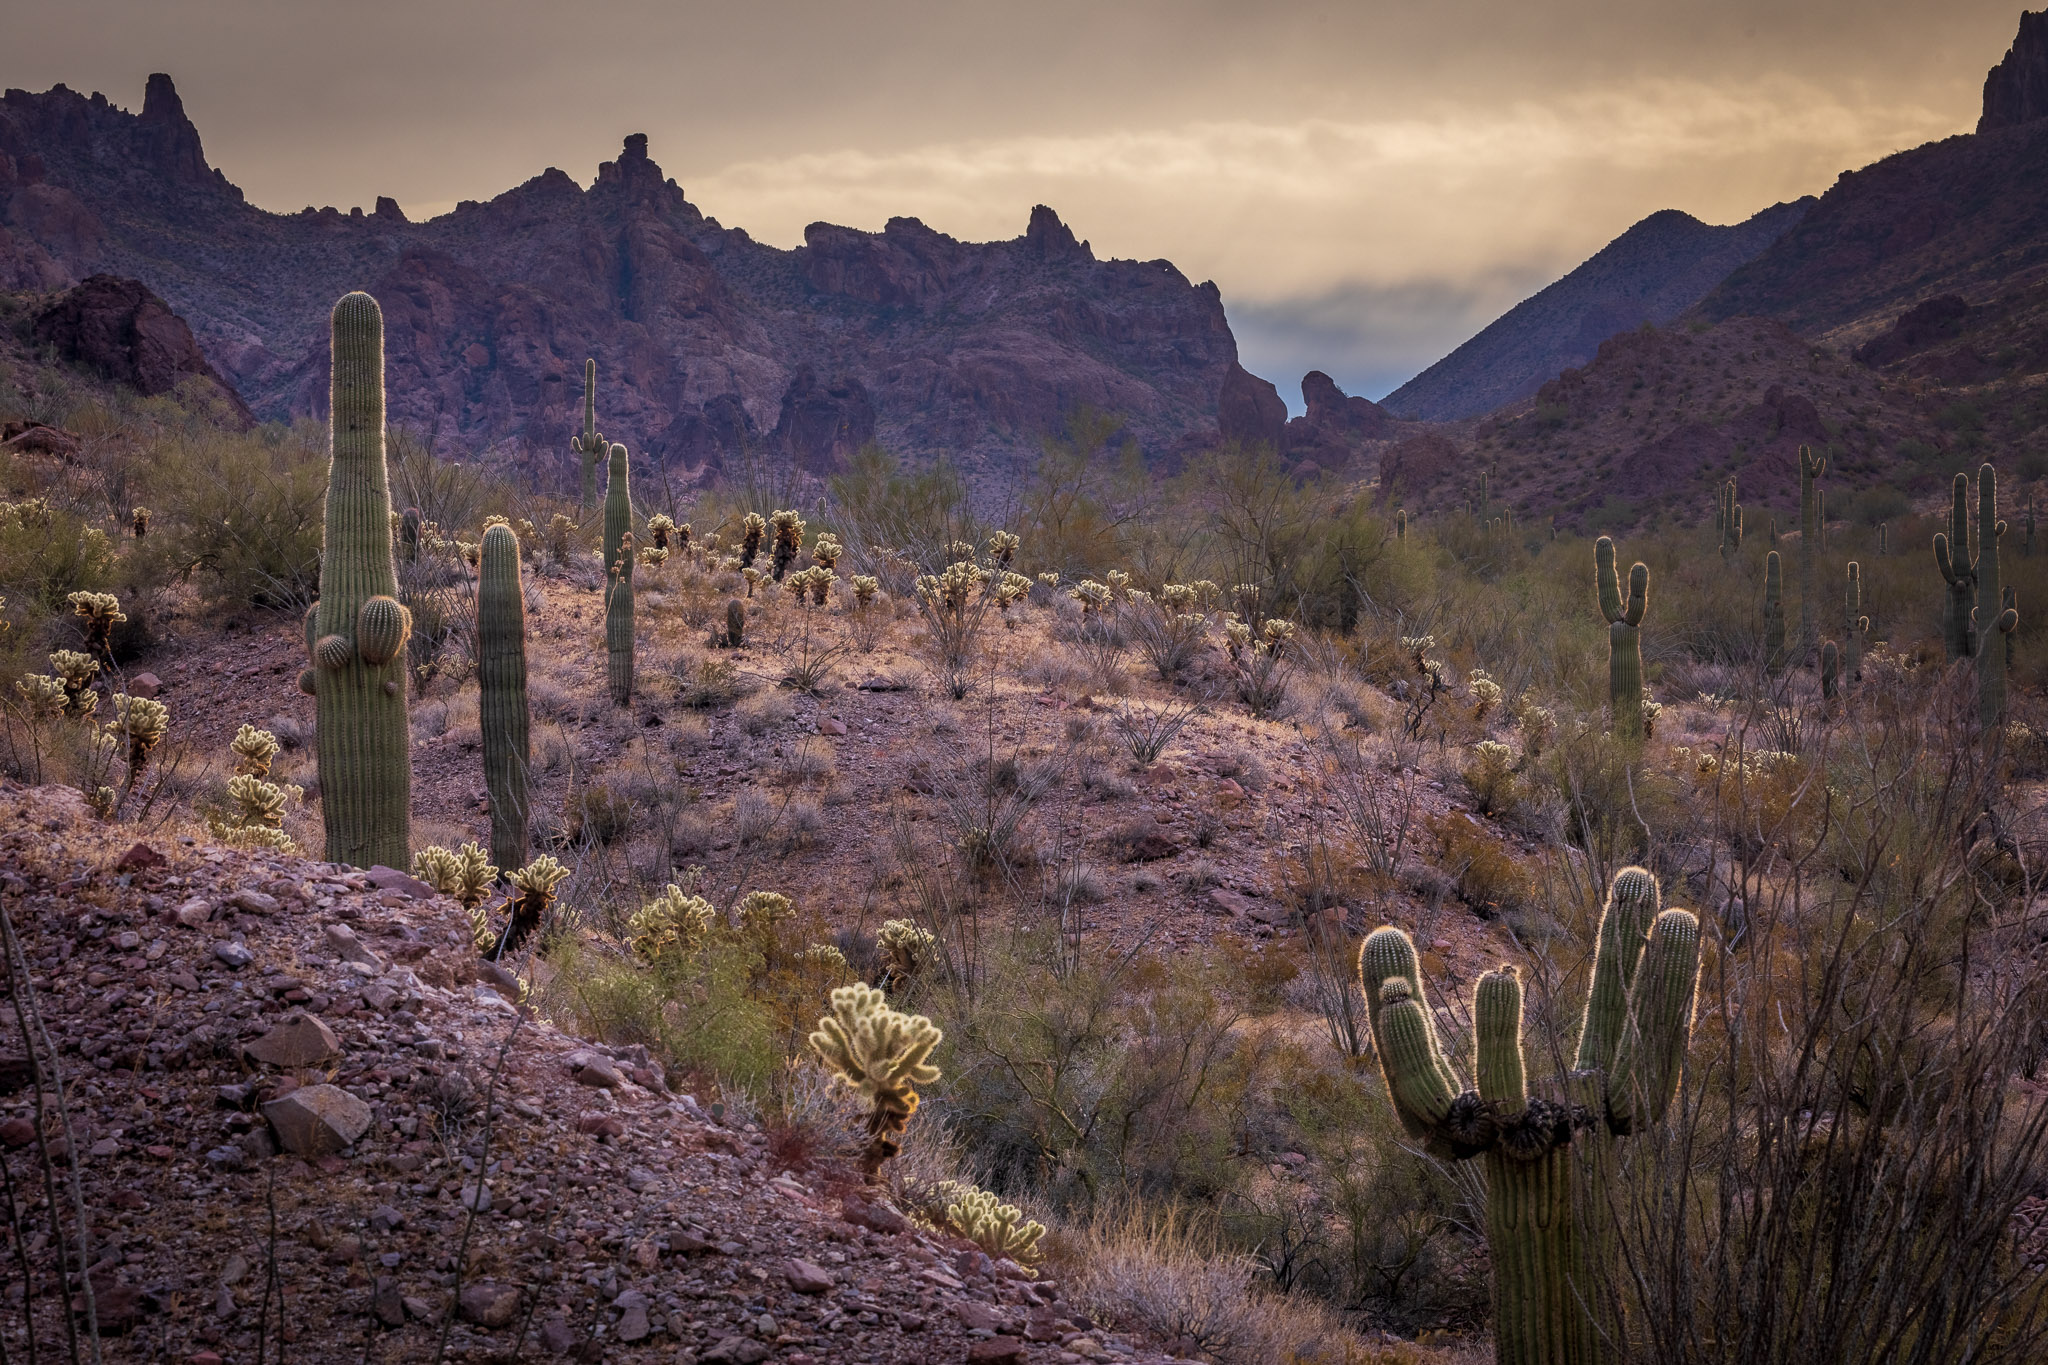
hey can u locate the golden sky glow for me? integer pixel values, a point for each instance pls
(1369, 183)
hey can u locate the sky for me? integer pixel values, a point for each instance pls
(1368, 183)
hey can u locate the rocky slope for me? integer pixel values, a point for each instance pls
(1656, 270)
(709, 344)
(209, 1006)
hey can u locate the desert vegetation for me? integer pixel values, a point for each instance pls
(1171, 885)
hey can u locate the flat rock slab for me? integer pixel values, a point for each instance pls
(301, 1040)
(391, 879)
(317, 1120)
(343, 943)
(595, 1069)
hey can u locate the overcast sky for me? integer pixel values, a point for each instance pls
(1369, 183)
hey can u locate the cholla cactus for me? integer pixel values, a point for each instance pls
(752, 531)
(138, 521)
(1276, 635)
(652, 557)
(534, 886)
(465, 874)
(1092, 596)
(753, 577)
(999, 1229)
(1049, 581)
(1486, 693)
(1417, 648)
(952, 590)
(257, 817)
(44, 697)
(823, 958)
(825, 551)
(865, 586)
(1002, 548)
(1010, 589)
(814, 583)
(77, 672)
(254, 750)
(143, 724)
(660, 527)
(1178, 597)
(789, 542)
(1237, 638)
(904, 950)
(760, 911)
(561, 538)
(101, 612)
(1537, 724)
(672, 926)
(471, 552)
(1119, 583)
(881, 1055)
(957, 550)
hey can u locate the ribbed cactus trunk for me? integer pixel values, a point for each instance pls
(356, 633)
(1854, 624)
(501, 693)
(1995, 620)
(590, 446)
(1959, 571)
(1774, 613)
(1811, 467)
(1728, 521)
(1624, 637)
(618, 566)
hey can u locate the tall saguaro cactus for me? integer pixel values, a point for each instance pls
(1624, 637)
(356, 632)
(501, 693)
(1728, 520)
(1959, 570)
(1854, 623)
(618, 571)
(1774, 612)
(589, 445)
(1995, 620)
(1550, 1277)
(1811, 467)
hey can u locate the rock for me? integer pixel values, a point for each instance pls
(831, 726)
(639, 1179)
(116, 1308)
(1148, 847)
(874, 1217)
(418, 1309)
(498, 979)
(490, 1305)
(807, 1278)
(2016, 90)
(391, 879)
(343, 943)
(300, 1041)
(600, 1126)
(735, 1350)
(254, 902)
(997, 1351)
(556, 1335)
(17, 1132)
(119, 328)
(193, 913)
(594, 1069)
(633, 1324)
(1223, 901)
(234, 955)
(1250, 409)
(139, 856)
(476, 1197)
(318, 1119)
(977, 1316)
(386, 1303)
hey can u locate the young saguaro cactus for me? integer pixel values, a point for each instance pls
(1550, 1281)
(1959, 570)
(589, 445)
(1774, 612)
(501, 693)
(1854, 624)
(618, 570)
(1729, 520)
(1995, 619)
(1624, 636)
(356, 632)
(1811, 467)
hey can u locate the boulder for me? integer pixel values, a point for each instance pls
(316, 1120)
(119, 328)
(490, 1305)
(300, 1040)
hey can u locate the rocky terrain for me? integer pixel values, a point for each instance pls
(709, 344)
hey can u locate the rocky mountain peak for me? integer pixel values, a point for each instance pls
(2016, 91)
(170, 135)
(1052, 240)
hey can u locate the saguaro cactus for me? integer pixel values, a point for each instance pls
(1811, 467)
(1774, 612)
(618, 570)
(1830, 670)
(1550, 1279)
(1959, 570)
(501, 693)
(1993, 614)
(356, 633)
(1854, 623)
(1728, 520)
(1624, 637)
(589, 445)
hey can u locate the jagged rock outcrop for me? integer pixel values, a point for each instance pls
(1335, 427)
(1252, 411)
(127, 334)
(2016, 90)
(708, 343)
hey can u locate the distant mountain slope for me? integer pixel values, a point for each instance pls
(1652, 273)
(708, 343)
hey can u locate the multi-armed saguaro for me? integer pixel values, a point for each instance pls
(501, 692)
(618, 571)
(356, 632)
(1551, 1286)
(1959, 570)
(589, 445)
(1624, 637)
(1811, 467)
(1980, 630)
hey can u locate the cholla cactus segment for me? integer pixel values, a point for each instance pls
(258, 803)
(999, 1229)
(660, 527)
(138, 522)
(539, 877)
(1091, 595)
(760, 911)
(904, 949)
(1237, 637)
(1537, 724)
(1049, 581)
(814, 584)
(101, 612)
(952, 590)
(653, 557)
(254, 750)
(675, 924)
(1179, 597)
(825, 551)
(140, 721)
(789, 542)
(1119, 582)
(882, 1056)
(561, 537)
(533, 897)
(1010, 589)
(1486, 693)
(1002, 548)
(1417, 647)
(1276, 635)
(823, 958)
(753, 530)
(466, 874)
(865, 587)
(957, 550)
(44, 697)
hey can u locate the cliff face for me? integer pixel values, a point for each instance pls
(708, 343)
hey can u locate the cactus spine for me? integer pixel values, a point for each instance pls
(1550, 1277)
(618, 567)
(364, 744)
(501, 693)
(1624, 637)
(1854, 624)
(1728, 521)
(589, 445)
(1774, 613)
(1959, 570)
(1993, 614)
(1811, 467)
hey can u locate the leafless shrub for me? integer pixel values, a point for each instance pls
(1146, 731)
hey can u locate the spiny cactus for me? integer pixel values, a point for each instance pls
(1544, 1158)
(76, 671)
(789, 542)
(673, 924)
(101, 612)
(1774, 613)
(904, 949)
(1854, 624)
(356, 633)
(1729, 521)
(254, 750)
(865, 589)
(1624, 636)
(1811, 467)
(735, 624)
(466, 874)
(501, 693)
(881, 1055)
(534, 895)
(1002, 548)
(1959, 570)
(825, 551)
(138, 522)
(142, 724)
(1400, 523)
(660, 527)
(1830, 670)
(589, 445)
(997, 1228)
(752, 530)
(409, 536)
(618, 567)
(1992, 612)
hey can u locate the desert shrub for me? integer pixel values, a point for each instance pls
(48, 552)
(246, 512)
(1490, 877)
(698, 1010)
(764, 711)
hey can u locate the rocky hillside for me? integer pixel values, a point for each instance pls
(1652, 273)
(708, 343)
